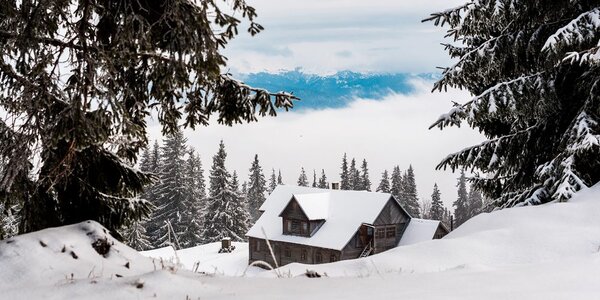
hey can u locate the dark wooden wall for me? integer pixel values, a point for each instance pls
(295, 251)
(391, 215)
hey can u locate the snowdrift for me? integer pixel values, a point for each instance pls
(544, 252)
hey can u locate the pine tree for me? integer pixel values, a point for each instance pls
(171, 193)
(533, 70)
(241, 213)
(436, 211)
(194, 203)
(365, 182)
(135, 236)
(323, 180)
(279, 179)
(461, 205)
(8, 221)
(314, 184)
(226, 214)
(384, 184)
(353, 176)
(256, 189)
(302, 179)
(345, 175)
(409, 198)
(272, 182)
(396, 188)
(83, 119)
(475, 202)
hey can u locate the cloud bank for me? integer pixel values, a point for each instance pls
(387, 132)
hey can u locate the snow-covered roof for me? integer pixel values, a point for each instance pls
(315, 206)
(419, 230)
(344, 213)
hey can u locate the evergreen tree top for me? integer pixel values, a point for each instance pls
(532, 67)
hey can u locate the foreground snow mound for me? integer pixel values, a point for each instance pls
(65, 254)
(206, 259)
(517, 236)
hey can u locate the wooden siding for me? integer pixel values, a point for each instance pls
(287, 253)
(293, 211)
(391, 215)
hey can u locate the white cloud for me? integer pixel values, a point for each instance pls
(388, 132)
(383, 36)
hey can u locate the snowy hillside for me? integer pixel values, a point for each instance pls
(544, 252)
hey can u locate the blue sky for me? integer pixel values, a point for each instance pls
(327, 36)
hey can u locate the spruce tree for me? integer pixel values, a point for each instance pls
(409, 198)
(396, 188)
(257, 186)
(171, 193)
(194, 203)
(345, 175)
(272, 182)
(436, 211)
(226, 214)
(314, 184)
(461, 205)
(475, 202)
(532, 67)
(384, 184)
(241, 213)
(365, 182)
(135, 236)
(353, 176)
(279, 179)
(302, 179)
(323, 180)
(82, 76)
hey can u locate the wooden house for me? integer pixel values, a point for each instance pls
(312, 226)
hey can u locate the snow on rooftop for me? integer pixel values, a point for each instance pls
(346, 211)
(315, 206)
(419, 230)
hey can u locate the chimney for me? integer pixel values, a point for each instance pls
(335, 185)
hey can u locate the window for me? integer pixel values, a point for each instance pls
(390, 232)
(295, 226)
(287, 252)
(305, 227)
(303, 255)
(380, 233)
(332, 258)
(318, 257)
(288, 225)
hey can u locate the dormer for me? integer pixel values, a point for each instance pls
(305, 214)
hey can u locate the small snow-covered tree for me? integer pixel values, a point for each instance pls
(353, 176)
(272, 182)
(345, 175)
(533, 70)
(135, 236)
(256, 189)
(8, 221)
(409, 198)
(461, 205)
(475, 202)
(302, 179)
(396, 187)
(365, 182)
(279, 178)
(323, 180)
(436, 212)
(384, 184)
(314, 184)
(226, 214)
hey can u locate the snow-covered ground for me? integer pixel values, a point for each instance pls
(544, 252)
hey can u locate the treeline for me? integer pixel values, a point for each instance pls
(191, 210)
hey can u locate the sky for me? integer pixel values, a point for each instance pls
(326, 36)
